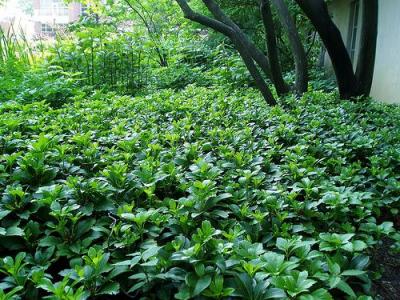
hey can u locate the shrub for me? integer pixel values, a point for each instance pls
(51, 85)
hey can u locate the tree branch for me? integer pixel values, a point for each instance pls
(236, 36)
(255, 53)
(204, 20)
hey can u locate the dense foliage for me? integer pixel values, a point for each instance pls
(117, 53)
(203, 193)
(16, 54)
(137, 162)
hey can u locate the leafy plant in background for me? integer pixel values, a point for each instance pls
(51, 85)
(16, 56)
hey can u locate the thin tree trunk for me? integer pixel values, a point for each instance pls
(317, 12)
(273, 55)
(366, 57)
(92, 60)
(321, 57)
(299, 54)
(162, 57)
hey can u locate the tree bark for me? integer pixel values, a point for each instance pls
(204, 20)
(255, 53)
(273, 55)
(366, 57)
(258, 79)
(317, 12)
(241, 44)
(299, 54)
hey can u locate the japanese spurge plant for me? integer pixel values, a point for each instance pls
(202, 193)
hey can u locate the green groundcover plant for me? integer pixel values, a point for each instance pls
(196, 194)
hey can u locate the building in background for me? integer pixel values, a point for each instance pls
(38, 18)
(16, 18)
(347, 15)
(52, 15)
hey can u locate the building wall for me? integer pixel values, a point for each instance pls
(74, 11)
(40, 17)
(340, 13)
(386, 82)
(13, 18)
(5, 25)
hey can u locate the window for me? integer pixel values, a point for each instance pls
(353, 28)
(60, 8)
(47, 30)
(45, 7)
(53, 8)
(83, 11)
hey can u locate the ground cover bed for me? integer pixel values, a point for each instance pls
(201, 193)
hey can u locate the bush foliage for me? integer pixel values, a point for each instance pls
(194, 188)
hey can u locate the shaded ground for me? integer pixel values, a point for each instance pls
(388, 286)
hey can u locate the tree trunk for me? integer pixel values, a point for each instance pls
(258, 79)
(255, 53)
(273, 55)
(299, 54)
(366, 57)
(241, 44)
(317, 12)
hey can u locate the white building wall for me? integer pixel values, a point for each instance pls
(12, 17)
(339, 11)
(52, 13)
(386, 83)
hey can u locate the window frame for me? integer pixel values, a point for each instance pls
(353, 28)
(54, 8)
(46, 29)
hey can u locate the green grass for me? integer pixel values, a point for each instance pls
(14, 46)
(199, 193)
